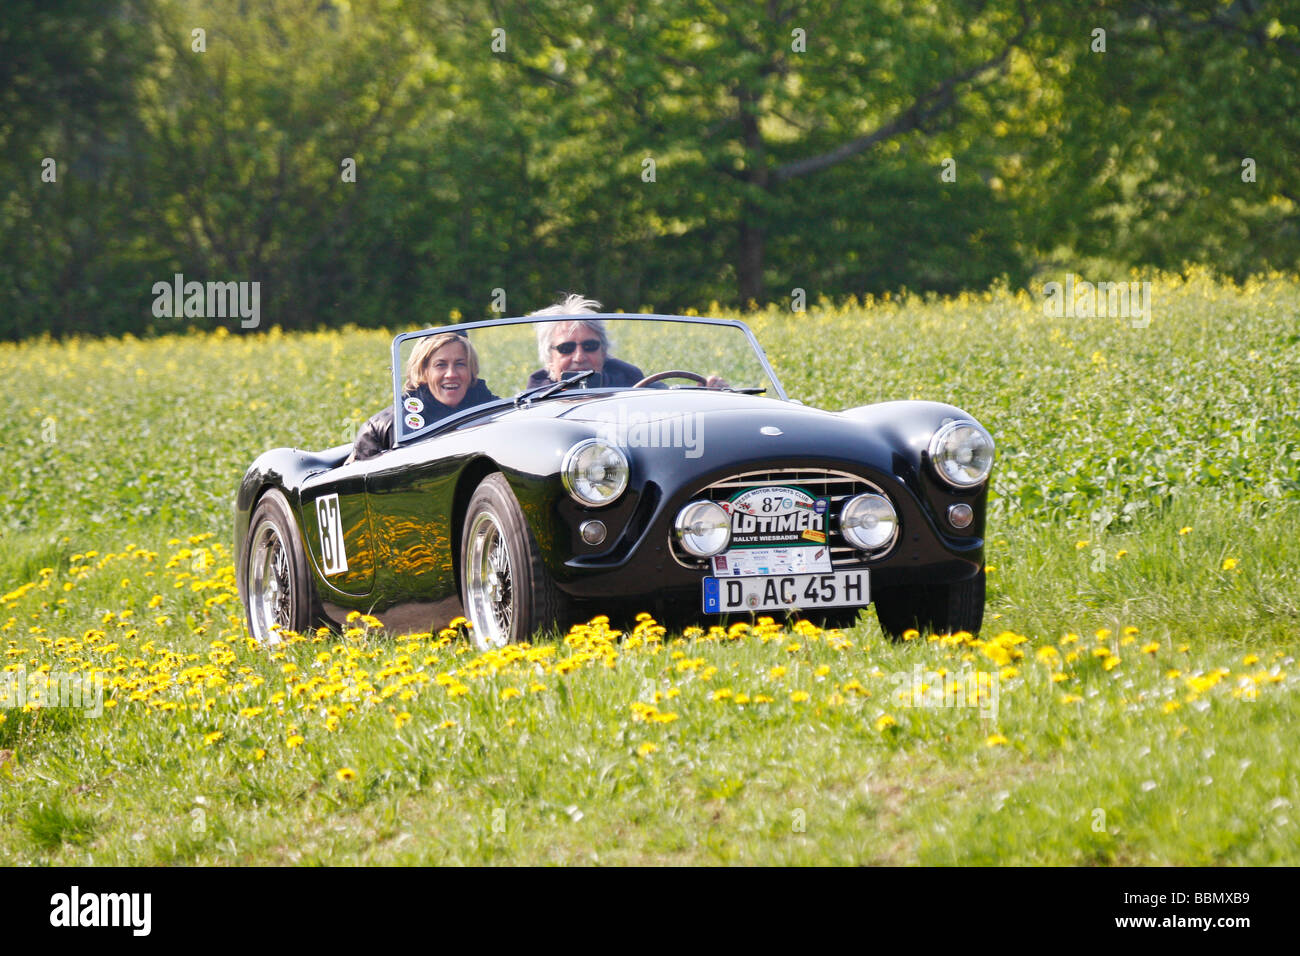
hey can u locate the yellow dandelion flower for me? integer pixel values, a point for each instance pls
(447, 724)
(1110, 663)
(884, 722)
(1170, 706)
(911, 634)
(346, 774)
(995, 740)
(646, 749)
(1229, 564)
(1008, 672)
(509, 693)
(1250, 659)
(822, 671)
(776, 672)
(212, 738)
(457, 690)
(1070, 698)
(1121, 553)
(259, 754)
(798, 696)
(1185, 530)
(762, 699)
(1101, 652)
(293, 741)
(662, 718)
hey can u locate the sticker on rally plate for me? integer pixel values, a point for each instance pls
(781, 592)
(776, 516)
(749, 561)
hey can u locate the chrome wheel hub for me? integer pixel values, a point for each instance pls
(270, 586)
(488, 583)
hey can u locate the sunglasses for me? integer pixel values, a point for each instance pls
(568, 348)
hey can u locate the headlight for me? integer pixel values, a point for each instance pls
(868, 522)
(703, 529)
(594, 473)
(962, 453)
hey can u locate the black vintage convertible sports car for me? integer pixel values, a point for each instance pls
(610, 489)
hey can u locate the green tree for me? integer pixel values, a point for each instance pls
(1158, 136)
(774, 127)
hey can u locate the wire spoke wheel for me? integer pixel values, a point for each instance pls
(489, 582)
(274, 582)
(506, 590)
(270, 586)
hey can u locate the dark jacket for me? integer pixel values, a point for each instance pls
(376, 435)
(616, 374)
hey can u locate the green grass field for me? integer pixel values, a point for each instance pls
(1132, 699)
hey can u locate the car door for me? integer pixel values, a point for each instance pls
(336, 528)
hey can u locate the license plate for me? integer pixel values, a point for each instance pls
(785, 591)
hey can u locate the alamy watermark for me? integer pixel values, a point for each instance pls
(133, 911)
(179, 299)
(19, 689)
(1078, 298)
(969, 687)
(684, 430)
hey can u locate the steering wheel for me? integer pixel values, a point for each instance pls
(672, 373)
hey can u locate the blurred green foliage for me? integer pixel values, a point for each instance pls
(507, 144)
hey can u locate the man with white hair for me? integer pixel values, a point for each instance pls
(578, 346)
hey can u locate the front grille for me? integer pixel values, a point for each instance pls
(838, 486)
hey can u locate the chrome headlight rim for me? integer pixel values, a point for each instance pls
(877, 549)
(571, 485)
(937, 441)
(681, 531)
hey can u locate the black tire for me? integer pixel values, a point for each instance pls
(936, 608)
(275, 588)
(505, 588)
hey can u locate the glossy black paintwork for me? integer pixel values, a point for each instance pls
(403, 510)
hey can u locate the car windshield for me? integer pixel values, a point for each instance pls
(444, 372)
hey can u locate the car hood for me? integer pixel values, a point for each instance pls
(782, 427)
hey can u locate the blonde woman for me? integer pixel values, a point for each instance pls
(441, 379)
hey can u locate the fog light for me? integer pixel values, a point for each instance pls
(869, 522)
(593, 532)
(703, 529)
(960, 515)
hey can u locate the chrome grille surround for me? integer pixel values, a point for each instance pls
(838, 486)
